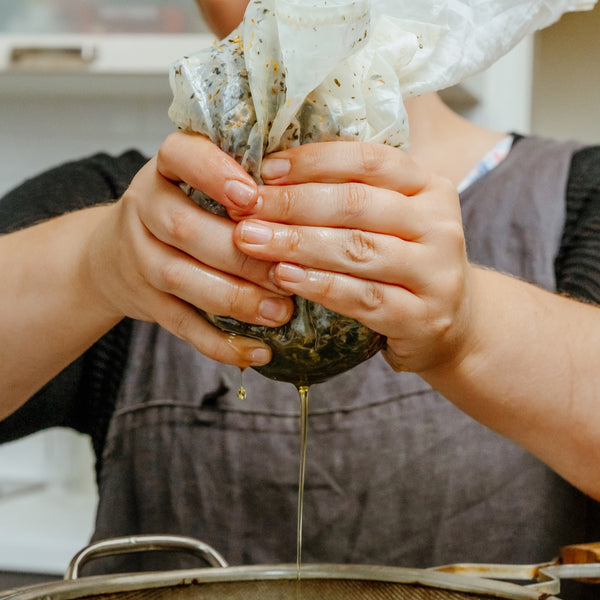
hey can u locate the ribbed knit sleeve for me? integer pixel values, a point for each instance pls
(577, 265)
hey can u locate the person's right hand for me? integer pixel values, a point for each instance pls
(156, 256)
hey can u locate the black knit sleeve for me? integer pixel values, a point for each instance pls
(577, 264)
(82, 395)
(68, 187)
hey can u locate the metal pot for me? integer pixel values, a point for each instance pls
(322, 581)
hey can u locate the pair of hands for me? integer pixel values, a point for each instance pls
(357, 227)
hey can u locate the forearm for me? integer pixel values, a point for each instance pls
(49, 312)
(531, 374)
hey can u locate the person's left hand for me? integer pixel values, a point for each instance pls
(363, 230)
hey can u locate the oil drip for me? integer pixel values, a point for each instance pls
(241, 393)
(303, 393)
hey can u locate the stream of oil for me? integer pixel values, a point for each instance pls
(303, 393)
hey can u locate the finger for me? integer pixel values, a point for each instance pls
(185, 322)
(338, 162)
(195, 160)
(177, 274)
(359, 253)
(382, 307)
(176, 221)
(351, 205)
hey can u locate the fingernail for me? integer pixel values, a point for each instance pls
(291, 273)
(259, 356)
(273, 309)
(238, 215)
(273, 168)
(254, 233)
(241, 194)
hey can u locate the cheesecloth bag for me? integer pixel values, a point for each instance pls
(300, 71)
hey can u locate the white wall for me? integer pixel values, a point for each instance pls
(40, 131)
(566, 91)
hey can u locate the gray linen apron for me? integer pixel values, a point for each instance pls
(396, 474)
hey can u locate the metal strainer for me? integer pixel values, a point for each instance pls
(284, 589)
(318, 582)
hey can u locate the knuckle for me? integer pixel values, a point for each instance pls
(165, 148)
(374, 297)
(360, 246)
(328, 285)
(441, 325)
(172, 277)
(454, 235)
(444, 183)
(442, 187)
(130, 201)
(293, 239)
(354, 202)
(370, 158)
(238, 302)
(179, 225)
(245, 265)
(256, 272)
(447, 289)
(286, 201)
(446, 233)
(181, 323)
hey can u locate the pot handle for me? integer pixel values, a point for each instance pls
(580, 554)
(579, 561)
(577, 554)
(143, 543)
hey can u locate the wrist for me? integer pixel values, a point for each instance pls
(488, 376)
(98, 267)
(468, 345)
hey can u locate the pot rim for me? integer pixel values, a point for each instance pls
(102, 584)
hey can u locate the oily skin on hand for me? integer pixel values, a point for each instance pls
(363, 230)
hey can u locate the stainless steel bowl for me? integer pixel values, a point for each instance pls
(322, 581)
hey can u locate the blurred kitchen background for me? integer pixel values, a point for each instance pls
(82, 76)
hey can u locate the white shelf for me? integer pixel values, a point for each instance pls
(86, 64)
(88, 53)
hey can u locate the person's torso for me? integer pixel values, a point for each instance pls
(395, 473)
